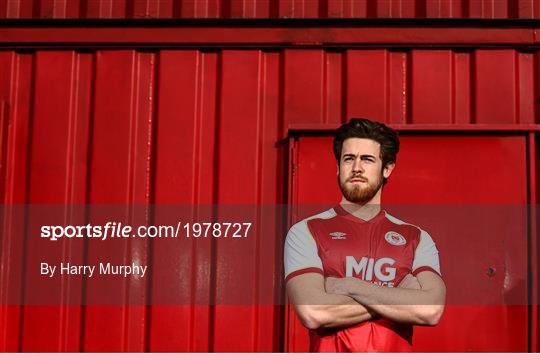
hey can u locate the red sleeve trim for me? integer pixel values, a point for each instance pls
(303, 271)
(424, 269)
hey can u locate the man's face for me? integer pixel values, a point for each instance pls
(361, 172)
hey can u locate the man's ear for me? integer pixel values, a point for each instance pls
(387, 171)
(337, 172)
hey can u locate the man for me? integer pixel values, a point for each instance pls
(358, 277)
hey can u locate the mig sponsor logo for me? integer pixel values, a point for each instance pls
(368, 268)
(395, 239)
(338, 235)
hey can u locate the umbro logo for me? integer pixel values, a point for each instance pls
(338, 235)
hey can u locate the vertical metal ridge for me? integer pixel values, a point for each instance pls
(462, 87)
(420, 9)
(292, 216)
(282, 124)
(133, 125)
(10, 186)
(225, 9)
(150, 179)
(34, 9)
(270, 320)
(197, 141)
(344, 86)
(87, 191)
(5, 241)
(140, 149)
(78, 133)
(131, 8)
(105, 8)
(65, 282)
(536, 87)
(130, 198)
(387, 77)
(474, 94)
(465, 9)
(525, 74)
(152, 197)
(517, 109)
(453, 89)
(130, 192)
(150, 124)
(176, 9)
(215, 199)
(28, 169)
(60, 9)
(513, 8)
(260, 119)
(72, 116)
(5, 191)
(324, 86)
(273, 9)
(154, 133)
(533, 298)
(197, 163)
(406, 88)
(332, 86)
(323, 9)
(83, 9)
(12, 8)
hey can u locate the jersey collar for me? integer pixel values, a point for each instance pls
(344, 213)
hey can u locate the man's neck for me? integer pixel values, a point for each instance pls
(363, 211)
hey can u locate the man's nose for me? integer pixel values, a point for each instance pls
(357, 165)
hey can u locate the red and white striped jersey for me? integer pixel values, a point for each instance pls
(382, 250)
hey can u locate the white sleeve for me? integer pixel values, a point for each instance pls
(300, 253)
(426, 256)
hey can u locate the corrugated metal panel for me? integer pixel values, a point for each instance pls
(203, 127)
(409, 87)
(16, 88)
(488, 9)
(186, 105)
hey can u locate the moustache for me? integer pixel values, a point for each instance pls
(358, 177)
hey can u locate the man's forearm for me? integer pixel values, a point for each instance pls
(338, 311)
(317, 308)
(423, 304)
(398, 304)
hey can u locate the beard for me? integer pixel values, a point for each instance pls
(358, 194)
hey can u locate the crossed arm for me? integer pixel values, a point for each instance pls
(318, 309)
(341, 302)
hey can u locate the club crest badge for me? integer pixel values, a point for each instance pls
(394, 238)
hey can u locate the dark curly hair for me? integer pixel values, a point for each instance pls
(367, 129)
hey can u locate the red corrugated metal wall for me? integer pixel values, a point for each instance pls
(206, 126)
(269, 9)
